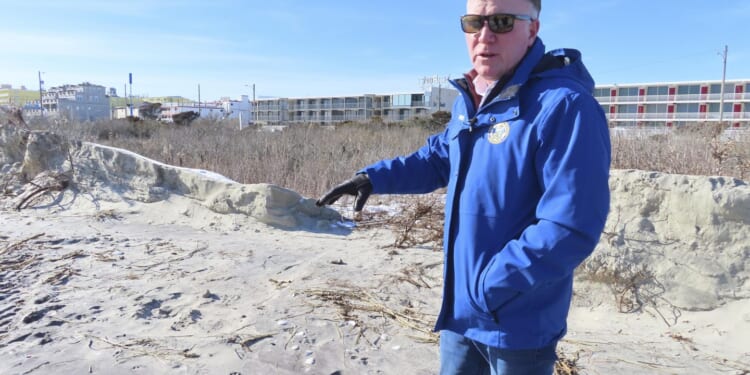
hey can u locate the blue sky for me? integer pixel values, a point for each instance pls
(293, 48)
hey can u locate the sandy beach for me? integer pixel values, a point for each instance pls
(111, 263)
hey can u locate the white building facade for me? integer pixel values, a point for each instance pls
(240, 110)
(367, 107)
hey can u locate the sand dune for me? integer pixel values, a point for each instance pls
(118, 264)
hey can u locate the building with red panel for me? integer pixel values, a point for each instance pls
(676, 103)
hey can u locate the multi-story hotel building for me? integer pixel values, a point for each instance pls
(676, 103)
(328, 110)
(638, 104)
(83, 102)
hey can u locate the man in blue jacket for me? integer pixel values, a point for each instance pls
(525, 158)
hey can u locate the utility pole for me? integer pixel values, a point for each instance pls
(199, 98)
(253, 113)
(130, 97)
(723, 79)
(41, 106)
(254, 110)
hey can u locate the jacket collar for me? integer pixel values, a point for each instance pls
(507, 88)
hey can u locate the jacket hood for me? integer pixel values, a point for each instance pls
(562, 63)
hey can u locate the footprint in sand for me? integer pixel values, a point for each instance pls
(191, 317)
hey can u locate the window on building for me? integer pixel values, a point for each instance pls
(657, 90)
(714, 107)
(417, 99)
(688, 89)
(656, 108)
(627, 108)
(716, 88)
(686, 108)
(403, 100)
(627, 91)
(601, 92)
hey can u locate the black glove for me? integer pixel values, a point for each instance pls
(358, 186)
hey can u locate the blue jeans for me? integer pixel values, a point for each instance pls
(462, 356)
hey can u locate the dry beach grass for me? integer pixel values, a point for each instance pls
(309, 158)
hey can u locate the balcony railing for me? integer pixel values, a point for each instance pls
(269, 108)
(354, 116)
(673, 98)
(342, 106)
(695, 116)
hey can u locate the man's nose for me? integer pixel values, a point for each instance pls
(485, 34)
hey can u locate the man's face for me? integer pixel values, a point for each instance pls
(494, 55)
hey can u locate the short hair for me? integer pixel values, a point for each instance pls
(537, 5)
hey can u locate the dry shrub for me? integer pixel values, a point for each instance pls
(421, 222)
(635, 289)
(307, 159)
(701, 149)
(566, 366)
(312, 158)
(357, 304)
(628, 286)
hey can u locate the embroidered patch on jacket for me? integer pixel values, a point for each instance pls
(498, 133)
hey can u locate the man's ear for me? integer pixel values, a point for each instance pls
(533, 31)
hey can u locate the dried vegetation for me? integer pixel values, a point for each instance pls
(310, 159)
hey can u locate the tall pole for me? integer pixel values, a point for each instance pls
(130, 97)
(41, 106)
(440, 103)
(255, 113)
(723, 79)
(199, 98)
(252, 112)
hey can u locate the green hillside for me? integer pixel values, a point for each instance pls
(18, 97)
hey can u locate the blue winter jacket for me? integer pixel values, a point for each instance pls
(527, 199)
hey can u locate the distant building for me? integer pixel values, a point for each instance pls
(335, 109)
(238, 109)
(675, 103)
(225, 108)
(83, 102)
(169, 109)
(206, 110)
(123, 112)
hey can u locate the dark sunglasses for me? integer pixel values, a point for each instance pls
(498, 23)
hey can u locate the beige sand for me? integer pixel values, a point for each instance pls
(140, 267)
